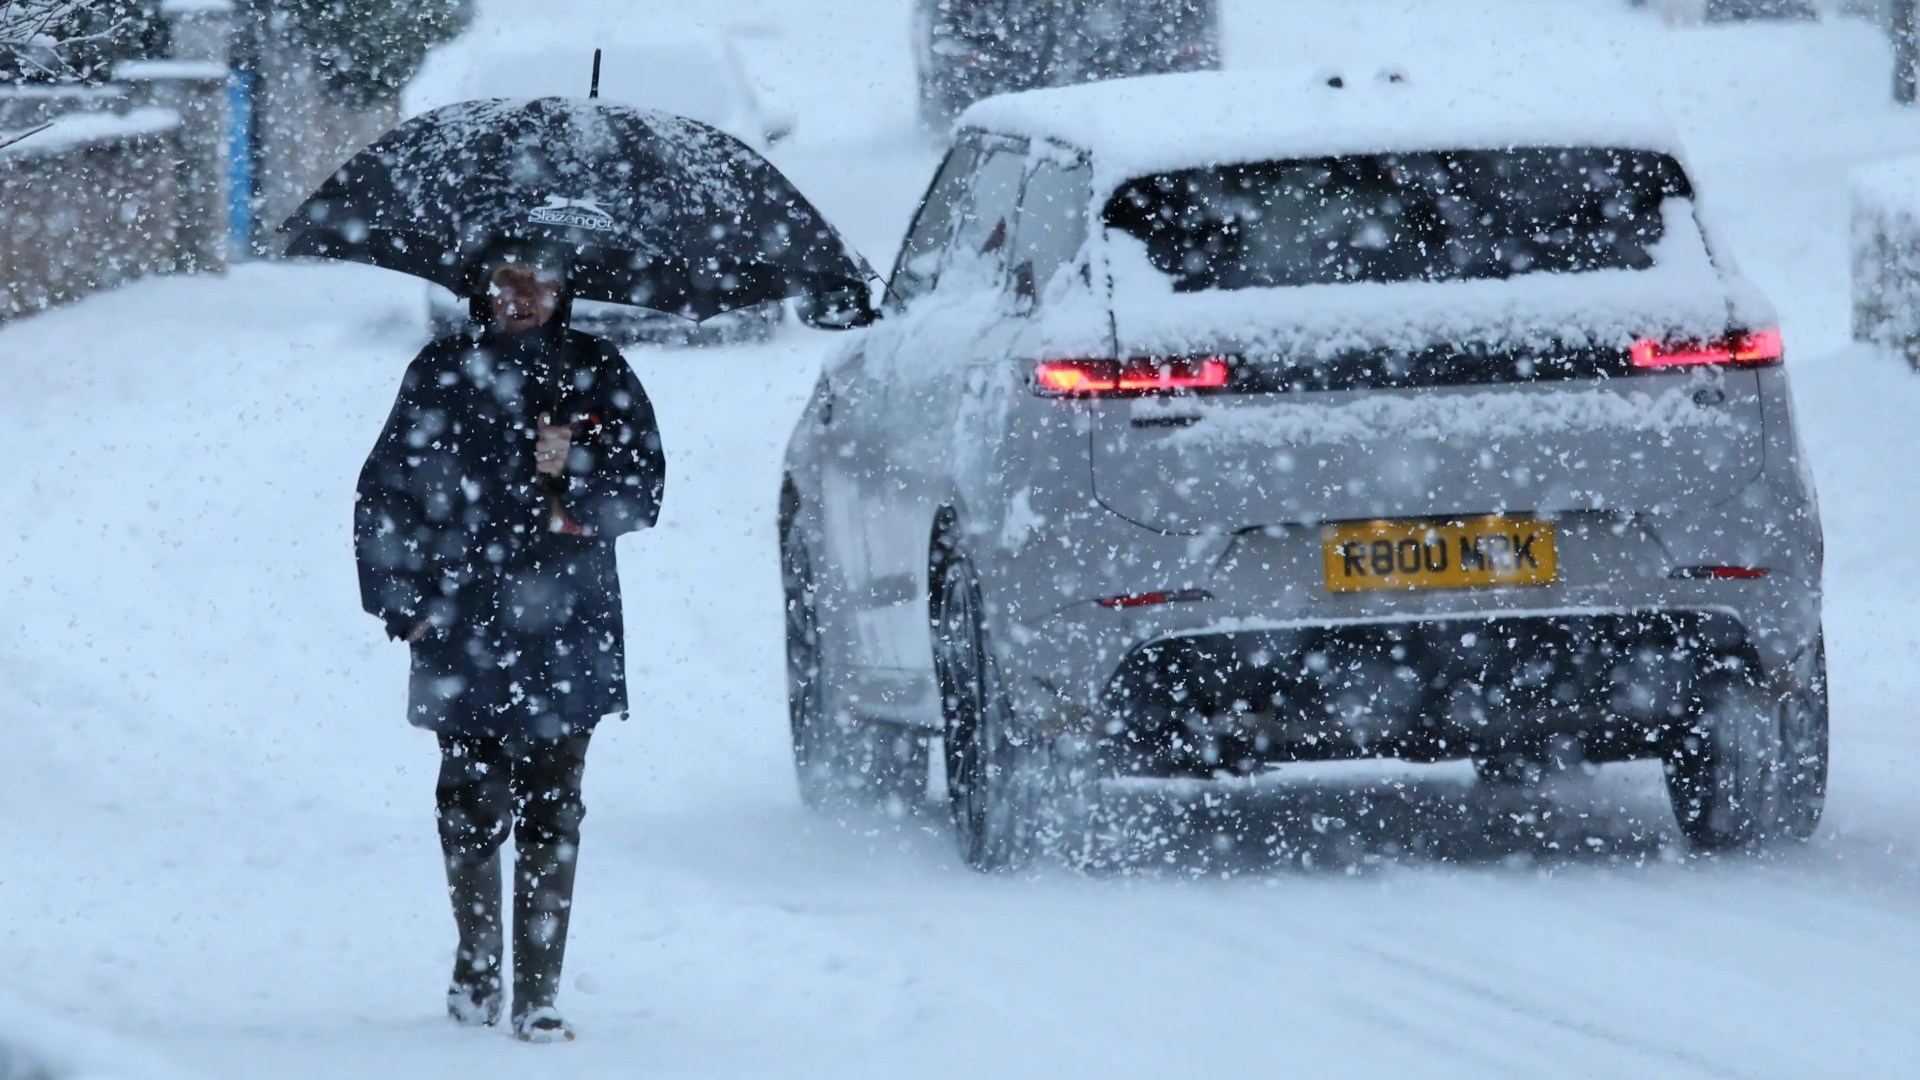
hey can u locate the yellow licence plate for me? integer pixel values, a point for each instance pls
(1470, 553)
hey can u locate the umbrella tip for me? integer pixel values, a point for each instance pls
(593, 90)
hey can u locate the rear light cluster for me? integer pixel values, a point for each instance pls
(1153, 599)
(1136, 378)
(1719, 573)
(1755, 348)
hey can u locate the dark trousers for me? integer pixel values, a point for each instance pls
(490, 787)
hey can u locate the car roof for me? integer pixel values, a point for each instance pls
(1162, 123)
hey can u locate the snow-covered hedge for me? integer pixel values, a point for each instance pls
(90, 202)
(1886, 256)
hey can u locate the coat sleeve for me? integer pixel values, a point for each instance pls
(616, 479)
(389, 520)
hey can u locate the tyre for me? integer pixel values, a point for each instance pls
(991, 763)
(1725, 770)
(817, 743)
(838, 762)
(1804, 728)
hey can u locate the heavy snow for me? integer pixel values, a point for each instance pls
(1683, 295)
(219, 839)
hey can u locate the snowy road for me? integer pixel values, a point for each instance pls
(217, 831)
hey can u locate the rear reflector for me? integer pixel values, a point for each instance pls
(1758, 347)
(1719, 573)
(1154, 599)
(1085, 378)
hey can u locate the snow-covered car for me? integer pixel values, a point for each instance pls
(965, 50)
(692, 71)
(1216, 422)
(1684, 12)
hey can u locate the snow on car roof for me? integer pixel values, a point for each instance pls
(1137, 127)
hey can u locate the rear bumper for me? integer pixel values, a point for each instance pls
(1264, 654)
(1238, 700)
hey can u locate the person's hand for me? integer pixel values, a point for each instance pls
(550, 450)
(419, 632)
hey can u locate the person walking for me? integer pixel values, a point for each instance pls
(515, 454)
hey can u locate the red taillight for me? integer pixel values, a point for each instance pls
(1720, 573)
(1758, 347)
(1098, 377)
(1153, 599)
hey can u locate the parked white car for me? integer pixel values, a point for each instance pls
(692, 71)
(1217, 422)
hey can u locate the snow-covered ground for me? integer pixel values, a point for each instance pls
(218, 843)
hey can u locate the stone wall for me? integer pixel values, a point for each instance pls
(89, 203)
(106, 183)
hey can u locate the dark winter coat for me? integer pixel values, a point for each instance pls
(514, 570)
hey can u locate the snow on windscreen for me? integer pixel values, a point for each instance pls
(1489, 416)
(1676, 293)
(1434, 216)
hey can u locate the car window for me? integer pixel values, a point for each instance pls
(1402, 217)
(984, 235)
(918, 265)
(1053, 218)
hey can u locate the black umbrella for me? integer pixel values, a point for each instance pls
(654, 209)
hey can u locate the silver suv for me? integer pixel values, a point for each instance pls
(1211, 423)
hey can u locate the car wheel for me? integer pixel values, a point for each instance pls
(1724, 771)
(991, 763)
(818, 745)
(838, 762)
(1804, 728)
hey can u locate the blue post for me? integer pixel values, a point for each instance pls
(241, 84)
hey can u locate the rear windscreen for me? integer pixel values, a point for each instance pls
(1014, 20)
(1447, 216)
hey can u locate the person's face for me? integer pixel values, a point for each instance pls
(522, 299)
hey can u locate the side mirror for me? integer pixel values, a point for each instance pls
(1026, 293)
(779, 128)
(846, 308)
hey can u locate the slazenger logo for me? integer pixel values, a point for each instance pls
(573, 214)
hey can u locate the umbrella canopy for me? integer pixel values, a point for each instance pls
(655, 210)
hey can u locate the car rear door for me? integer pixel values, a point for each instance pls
(1622, 396)
(855, 460)
(938, 337)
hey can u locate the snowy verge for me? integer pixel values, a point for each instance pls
(35, 1045)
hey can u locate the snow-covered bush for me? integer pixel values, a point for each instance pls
(1886, 256)
(44, 41)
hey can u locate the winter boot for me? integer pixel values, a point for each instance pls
(475, 996)
(542, 902)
